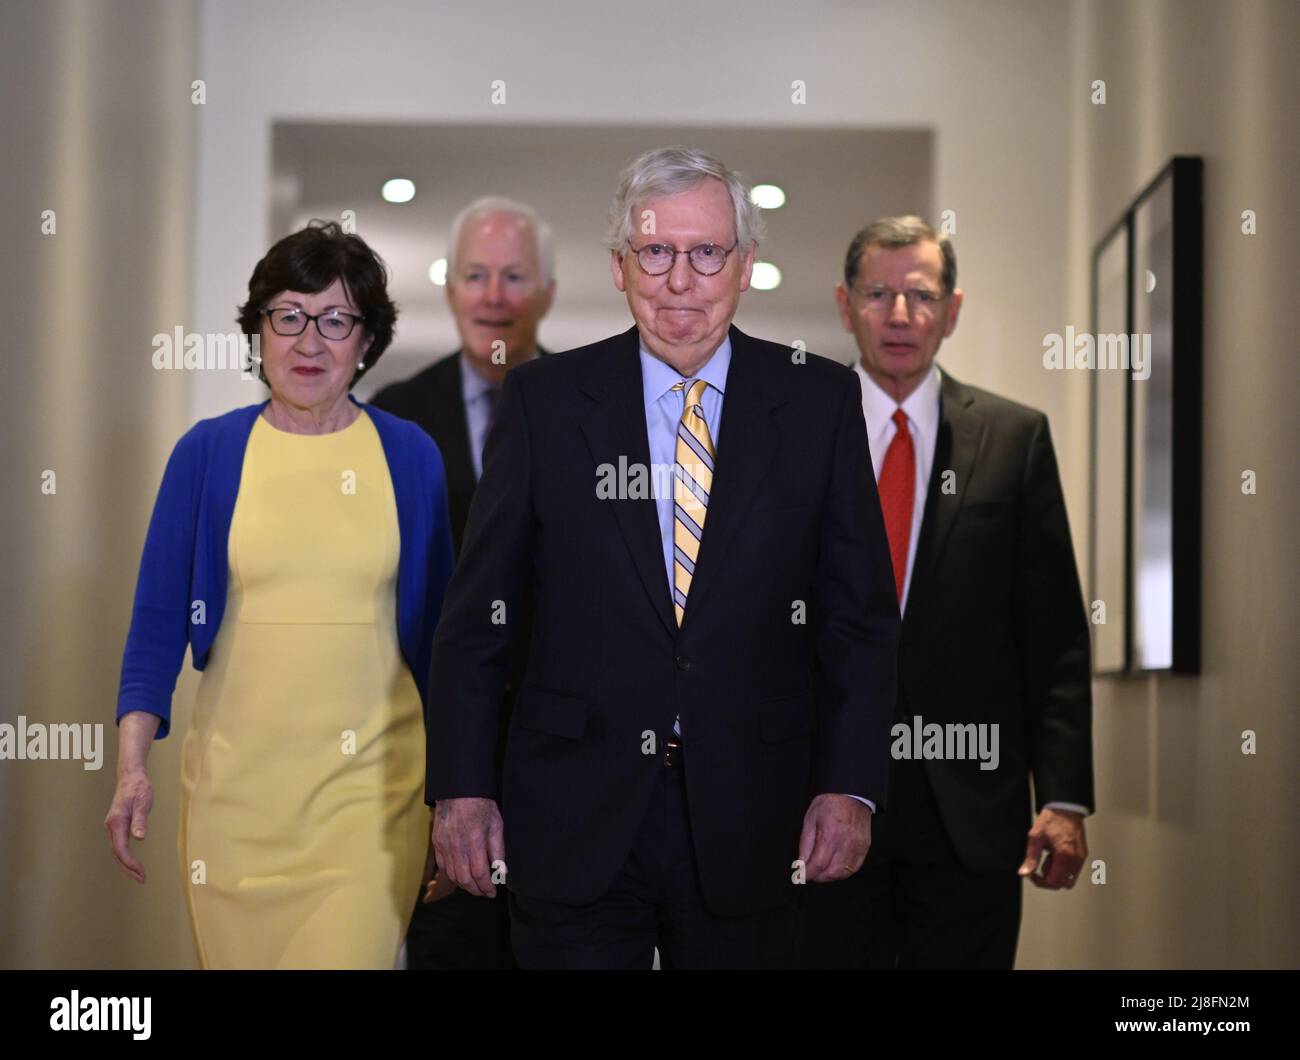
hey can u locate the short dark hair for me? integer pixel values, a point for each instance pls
(902, 231)
(311, 259)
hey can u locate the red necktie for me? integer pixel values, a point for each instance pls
(897, 488)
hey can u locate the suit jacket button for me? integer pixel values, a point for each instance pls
(683, 663)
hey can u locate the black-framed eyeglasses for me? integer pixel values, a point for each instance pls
(334, 324)
(707, 259)
(883, 299)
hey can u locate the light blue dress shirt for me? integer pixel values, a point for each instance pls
(477, 394)
(478, 407)
(663, 412)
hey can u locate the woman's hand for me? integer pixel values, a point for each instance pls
(133, 798)
(130, 810)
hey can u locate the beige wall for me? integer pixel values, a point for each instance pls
(97, 126)
(164, 207)
(1199, 840)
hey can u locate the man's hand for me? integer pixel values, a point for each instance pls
(835, 838)
(434, 885)
(468, 836)
(1060, 834)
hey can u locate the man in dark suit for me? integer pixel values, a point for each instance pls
(500, 284)
(704, 718)
(994, 681)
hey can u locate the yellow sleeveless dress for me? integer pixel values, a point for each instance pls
(303, 826)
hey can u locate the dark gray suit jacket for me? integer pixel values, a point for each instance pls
(995, 628)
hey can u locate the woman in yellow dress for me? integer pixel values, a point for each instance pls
(301, 549)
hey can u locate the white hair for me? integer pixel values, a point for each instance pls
(670, 171)
(490, 204)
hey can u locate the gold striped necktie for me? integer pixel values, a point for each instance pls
(692, 483)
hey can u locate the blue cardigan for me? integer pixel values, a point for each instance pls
(185, 558)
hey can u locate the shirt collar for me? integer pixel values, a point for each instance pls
(473, 385)
(658, 377)
(921, 405)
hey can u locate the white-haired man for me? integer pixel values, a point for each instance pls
(703, 723)
(500, 284)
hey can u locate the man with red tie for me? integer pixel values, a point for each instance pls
(993, 682)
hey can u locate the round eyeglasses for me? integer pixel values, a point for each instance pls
(333, 324)
(883, 299)
(707, 259)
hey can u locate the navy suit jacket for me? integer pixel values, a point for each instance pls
(783, 670)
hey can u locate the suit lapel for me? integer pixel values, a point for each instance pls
(745, 452)
(960, 431)
(616, 428)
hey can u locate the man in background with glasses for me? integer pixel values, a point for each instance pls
(703, 723)
(995, 640)
(500, 285)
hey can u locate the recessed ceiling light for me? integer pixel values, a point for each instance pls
(438, 272)
(765, 277)
(399, 189)
(767, 196)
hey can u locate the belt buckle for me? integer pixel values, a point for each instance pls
(672, 753)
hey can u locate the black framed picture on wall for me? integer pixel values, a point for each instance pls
(1109, 478)
(1146, 430)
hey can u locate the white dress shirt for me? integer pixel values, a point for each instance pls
(922, 409)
